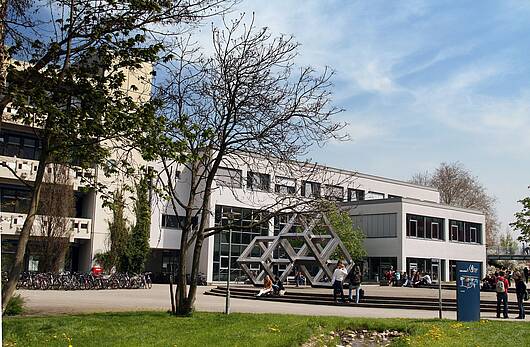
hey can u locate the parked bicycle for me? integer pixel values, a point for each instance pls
(83, 281)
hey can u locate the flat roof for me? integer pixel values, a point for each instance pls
(412, 201)
(354, 173)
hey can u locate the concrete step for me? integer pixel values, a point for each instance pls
(319, 298)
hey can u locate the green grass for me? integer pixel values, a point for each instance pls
(212, 329)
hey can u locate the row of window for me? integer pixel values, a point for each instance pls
(426, 227)
(15, 199)
(233, 178)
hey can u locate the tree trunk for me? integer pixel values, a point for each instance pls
(180, 293)
(18, 265)
(58, 264)
(194, 272)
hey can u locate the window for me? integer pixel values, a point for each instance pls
(454, 232)
(258, 181)
(468, 232)
(435, 230)
(170, 221)
(390, 196)
(374, 196)
(19, 145)
(473, 234)
(310, 189)
(229, 177)
(425, 227)
(15, 199)
(355, 194)
(413, 228)
(285, 185)
(333, 192)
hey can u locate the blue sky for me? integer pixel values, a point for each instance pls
(422, 82)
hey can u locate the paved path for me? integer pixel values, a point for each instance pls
(157, 298)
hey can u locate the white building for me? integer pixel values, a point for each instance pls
(405, 224)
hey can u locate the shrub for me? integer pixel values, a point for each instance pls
(15, 306)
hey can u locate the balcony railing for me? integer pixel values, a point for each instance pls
(11, 224)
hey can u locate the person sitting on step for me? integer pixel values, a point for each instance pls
(277, 286)
(267, 287)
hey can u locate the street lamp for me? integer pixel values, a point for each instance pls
(227, 306)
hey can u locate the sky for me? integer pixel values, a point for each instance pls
(421, 82)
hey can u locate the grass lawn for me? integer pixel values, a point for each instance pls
(212, 329)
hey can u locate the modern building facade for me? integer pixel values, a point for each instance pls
(405, 225)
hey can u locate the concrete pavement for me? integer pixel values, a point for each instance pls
(157, 298)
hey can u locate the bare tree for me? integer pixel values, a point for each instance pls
(458, 187)
(247, 105)
(54, 225)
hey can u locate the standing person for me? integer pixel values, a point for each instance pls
(501, 288)
(339, 275)
(297, 278)
(390, 276)
(522, 294)
(355, 278)
(525, 271)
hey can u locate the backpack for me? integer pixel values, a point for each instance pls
(499, 287)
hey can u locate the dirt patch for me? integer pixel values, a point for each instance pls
(353, 338)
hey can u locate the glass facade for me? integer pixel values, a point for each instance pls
(377, 266)
(240, 218)
(426, 266)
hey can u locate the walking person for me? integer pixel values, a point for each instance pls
(339, 275)
(525, 271)
(522, 294)
(501, 288)
(355, 278)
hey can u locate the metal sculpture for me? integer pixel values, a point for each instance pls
(318, 242)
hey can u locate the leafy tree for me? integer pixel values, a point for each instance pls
(351, 237)
(138, 244)
(66, 64)
(458, 187)
(118, 233)
(522, 221)
(507, 244)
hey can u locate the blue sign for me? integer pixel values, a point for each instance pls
(468, 274)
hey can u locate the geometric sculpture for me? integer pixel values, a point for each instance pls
(309, 250)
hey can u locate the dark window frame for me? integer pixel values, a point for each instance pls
(316, 189)
(258, 181)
